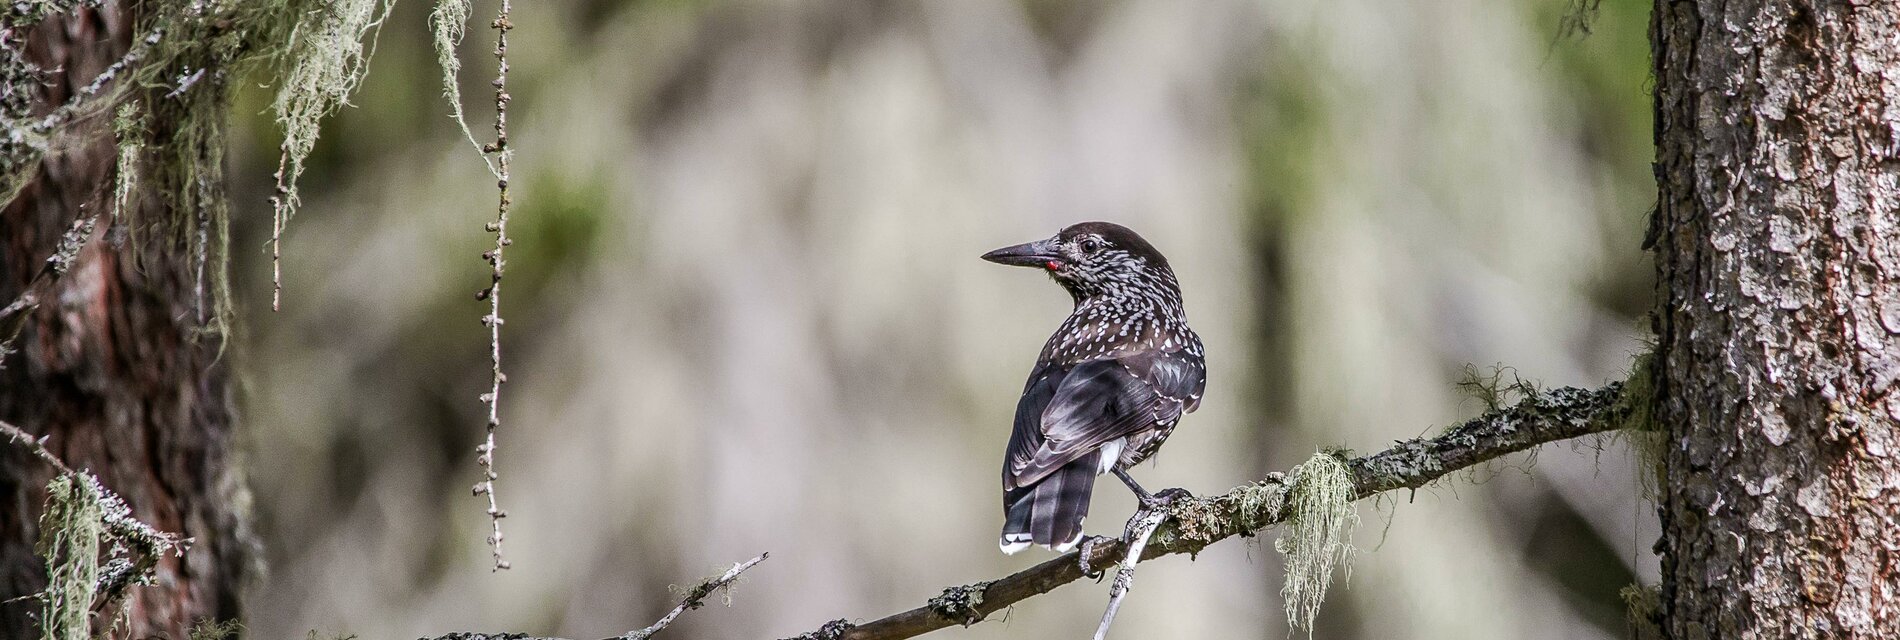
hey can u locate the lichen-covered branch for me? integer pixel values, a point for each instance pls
(1195, 523)
(93, 547)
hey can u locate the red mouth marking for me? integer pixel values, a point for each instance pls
(1054, 265)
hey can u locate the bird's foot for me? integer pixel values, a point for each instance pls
(1152, 507)
(1164, 498)
(1082, 557)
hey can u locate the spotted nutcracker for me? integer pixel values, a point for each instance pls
(1109, 387)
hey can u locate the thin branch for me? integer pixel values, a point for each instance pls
(1148, 522)
(83, 99)
(695, 598)
(13, 317)
(36, 446)
(1195, 523)
(485, 453)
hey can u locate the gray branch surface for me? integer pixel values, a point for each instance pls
(1194, 523)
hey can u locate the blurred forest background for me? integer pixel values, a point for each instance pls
(745, 312)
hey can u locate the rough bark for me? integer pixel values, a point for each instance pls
(1779, 278)
(115, 366)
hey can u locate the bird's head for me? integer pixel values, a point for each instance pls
(1092, 259)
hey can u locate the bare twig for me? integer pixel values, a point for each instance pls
(695, 598)
(1146, 521)
(36, 446)
(485, 454)
(83, 99)
(1195, 523)
(279, 203)
(13, 317)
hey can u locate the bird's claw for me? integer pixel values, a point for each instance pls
(1082, 557)
(1164, 498)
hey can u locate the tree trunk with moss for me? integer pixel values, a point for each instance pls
(116, 366)
(1777, 239)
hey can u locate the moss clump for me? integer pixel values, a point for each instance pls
(1317, 536)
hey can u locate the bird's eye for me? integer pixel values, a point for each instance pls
(1091, 245)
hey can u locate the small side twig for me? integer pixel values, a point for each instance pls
(695, 598)
(1145, 523)
(279, 203)
(485, 453)
(14, 315)
(83, 100)
(36, 446)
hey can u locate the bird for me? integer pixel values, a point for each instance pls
(1108, 388)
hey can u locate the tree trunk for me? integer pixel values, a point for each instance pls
(115, 366)
(1778, 264)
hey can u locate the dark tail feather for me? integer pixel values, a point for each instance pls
(1050, 512)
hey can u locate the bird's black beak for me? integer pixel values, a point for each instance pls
(1041, 254)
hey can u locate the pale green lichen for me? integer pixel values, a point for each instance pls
(1491, 389)
(1643, 605)
(1634, 422)
(1317, 536)
(128, 129)
(329, 53)
(450, 20)
(94, 549)
(71, 529)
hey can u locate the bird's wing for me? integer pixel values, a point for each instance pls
(1066, 412)
(1175, 375)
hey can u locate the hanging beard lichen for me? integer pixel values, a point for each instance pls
(172, 91)
(328, 53)
(328, 50)
(1317, 536)
(450, 22)
(71, 529)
